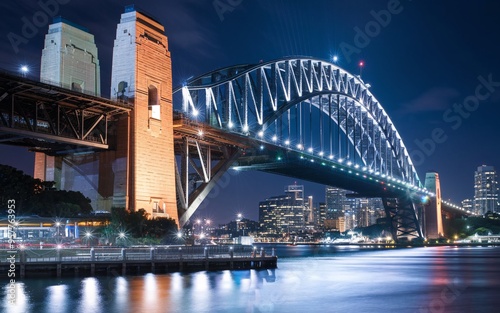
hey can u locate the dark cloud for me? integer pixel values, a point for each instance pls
(434, 99)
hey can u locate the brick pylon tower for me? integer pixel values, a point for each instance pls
(142, 76)
(433, 218)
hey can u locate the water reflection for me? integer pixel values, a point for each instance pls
(17, 302)
(57, 298)
(401, 280)
(90, 300)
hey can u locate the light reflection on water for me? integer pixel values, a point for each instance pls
(314, 279)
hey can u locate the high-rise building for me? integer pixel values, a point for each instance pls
(468, 204)
(485, 190)
(283, 214)
(335, 200)
(309, 211)
(320, 215)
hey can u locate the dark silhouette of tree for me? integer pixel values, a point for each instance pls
(34, 196)
(138, 225)
(20, 187)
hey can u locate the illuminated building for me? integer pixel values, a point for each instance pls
(485, 190)
(335, 200)
(283, 214)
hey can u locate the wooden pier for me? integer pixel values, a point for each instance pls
(123, 261)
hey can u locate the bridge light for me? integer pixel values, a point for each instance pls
(356, 166)
(321, 153)
(310, 150)
(425, 199)
(195, 112)
(340, 160)
(200, 132)
(245, 128)
(179, 235)
(287, 142)
(335, 58)
(300, 146)
(330, 157)
(364, 168)
(275, 138)
(261, 147)
(261, 133)
(349, 163)
(230, 124)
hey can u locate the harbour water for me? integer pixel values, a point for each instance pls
(308, 279)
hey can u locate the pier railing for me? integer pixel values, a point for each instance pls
(106, 254)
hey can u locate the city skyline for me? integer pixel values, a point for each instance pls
(427, 90)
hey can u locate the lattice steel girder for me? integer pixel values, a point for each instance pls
(198, 175)
(31, 111)
(250, 99)
(402, 216)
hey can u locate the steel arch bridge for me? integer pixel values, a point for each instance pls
(284, 111)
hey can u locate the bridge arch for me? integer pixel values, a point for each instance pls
(303, 104)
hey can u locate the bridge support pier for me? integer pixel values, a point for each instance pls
(402, 217)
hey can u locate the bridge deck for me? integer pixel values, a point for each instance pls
(52, 118)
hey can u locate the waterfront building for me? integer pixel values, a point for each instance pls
(283, 214)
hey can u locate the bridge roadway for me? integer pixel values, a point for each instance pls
(54, 119)
(106, 260)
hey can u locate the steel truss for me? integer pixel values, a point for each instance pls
(53, 119)
(198, 172)
(277, 102)
(401, 214)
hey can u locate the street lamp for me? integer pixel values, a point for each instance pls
(24, 70)
(88, 236)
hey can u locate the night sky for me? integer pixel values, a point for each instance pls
(425, 61)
